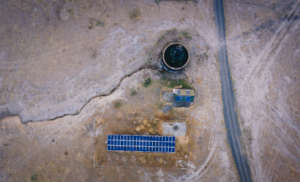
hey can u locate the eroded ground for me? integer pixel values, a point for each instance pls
(78, 144)
(72, 72)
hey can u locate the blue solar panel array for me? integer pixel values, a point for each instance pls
(141, 143)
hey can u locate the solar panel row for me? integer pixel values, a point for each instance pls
(141, 149)
(140, 137)
(141, 143)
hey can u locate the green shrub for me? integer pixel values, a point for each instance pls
(34, 177)
(134, 14)
(133, 92)
(187, 35)
(117, 104)
(99, 23)
(177, 83)
(147, 82)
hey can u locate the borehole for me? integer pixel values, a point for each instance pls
(175, 56)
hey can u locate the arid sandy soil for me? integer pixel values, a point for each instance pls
(73, 71)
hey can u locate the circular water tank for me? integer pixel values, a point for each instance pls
(175, 56)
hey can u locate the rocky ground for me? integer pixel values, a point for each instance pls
(73, 71)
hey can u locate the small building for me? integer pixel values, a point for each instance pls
(183, 97)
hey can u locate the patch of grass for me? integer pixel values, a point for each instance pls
(95, 23)
(34, 177)
(117, 104)
(158, 1)
(177, 83)
(133, 92)
(134, 14)
(147, 82)
(99, 23)
(187, 35)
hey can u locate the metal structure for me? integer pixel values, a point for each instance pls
(183, 97)
(141, 143)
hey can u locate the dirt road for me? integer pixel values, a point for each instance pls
(230, 116)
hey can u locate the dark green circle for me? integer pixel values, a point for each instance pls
(176, 56)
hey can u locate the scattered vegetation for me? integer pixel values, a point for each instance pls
(247, 135)
(94, 53)
(133, 92)
(34, 177)
(70, 11)
(134, 14)
(158, 1)
(147, 82)
(99, 23)
(90, 26)
(95, 23)
(187, 35)
(117, 104)
(148, 126)
(202, 57)
(181, 83)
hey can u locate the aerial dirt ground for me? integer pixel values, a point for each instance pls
(74, 71)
